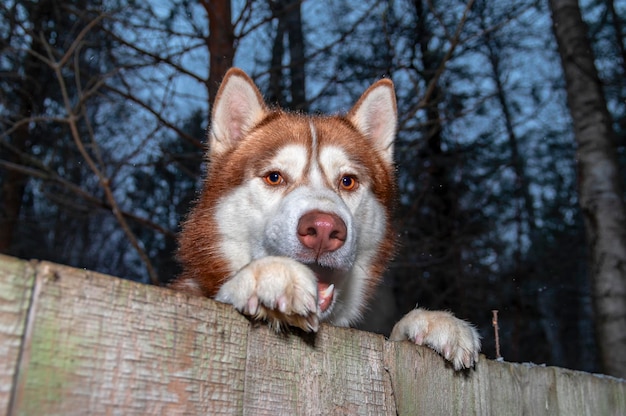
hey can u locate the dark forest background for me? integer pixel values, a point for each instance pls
(104, 107)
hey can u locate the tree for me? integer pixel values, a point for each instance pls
(220, 42)
(601, 193)
(30, 88)
(166, 186)
(41, 38)
(74, 131)
(287, 13)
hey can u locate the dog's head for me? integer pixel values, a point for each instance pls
(316, 189)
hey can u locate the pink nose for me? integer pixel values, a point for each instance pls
(322, 232)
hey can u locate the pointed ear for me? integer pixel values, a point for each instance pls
(238, 106)
(375, 115)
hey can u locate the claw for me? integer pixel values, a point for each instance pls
(325, 296)
(467, 361)
(252, 306)
(313, 323)
(282, 304)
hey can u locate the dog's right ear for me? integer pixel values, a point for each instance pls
(238, 106)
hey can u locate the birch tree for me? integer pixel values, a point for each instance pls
(600, 187)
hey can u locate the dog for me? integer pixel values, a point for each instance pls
(293, 225)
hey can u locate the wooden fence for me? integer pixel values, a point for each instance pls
(77, 342)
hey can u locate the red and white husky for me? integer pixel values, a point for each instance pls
(293, 225)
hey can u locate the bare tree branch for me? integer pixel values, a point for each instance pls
(105, 183)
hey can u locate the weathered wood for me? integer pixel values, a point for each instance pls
(78, 342)
(99, 345)
(16, 282)
(336, 372)
(423, 386)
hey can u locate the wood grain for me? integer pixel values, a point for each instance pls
(100, 345)
(75, 342)
(16, 282)
(326, 374)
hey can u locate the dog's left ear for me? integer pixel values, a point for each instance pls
(375, 115)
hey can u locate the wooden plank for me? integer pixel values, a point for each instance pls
(588, 394)
(424, 383)
(337, 371)
(16, 283)
(77, 342)
(101, 345)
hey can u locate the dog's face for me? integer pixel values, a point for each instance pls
(318, 190)
(305, 188)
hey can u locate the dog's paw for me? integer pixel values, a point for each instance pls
(276, 289)
(455, 339)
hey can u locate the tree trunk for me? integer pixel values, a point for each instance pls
(296, 55)
(30, 90)
(220, 43)
(275, 90)
(289, 28)
(12, 184)
(601, 193)
(442, 202)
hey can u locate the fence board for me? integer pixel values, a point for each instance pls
(326, 374)
(77, 342)
(16, 282)
(108, 346)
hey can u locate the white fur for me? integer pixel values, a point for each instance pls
(257, 221)
(257, 227)
(274, 283)
(451, 337)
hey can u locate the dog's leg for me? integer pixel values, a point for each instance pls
(276, 289)
(455, 339)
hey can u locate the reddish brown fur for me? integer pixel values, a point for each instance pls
(199, 240)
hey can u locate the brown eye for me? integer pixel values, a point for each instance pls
(274, 179)
(348, 183)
